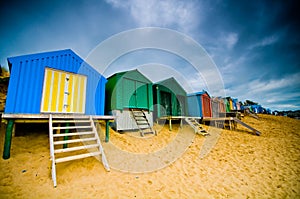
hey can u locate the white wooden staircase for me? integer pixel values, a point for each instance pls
(72, 139)
(196, 126)
(142, 122)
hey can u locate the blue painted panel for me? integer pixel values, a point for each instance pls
(194, 105)
(27, 77)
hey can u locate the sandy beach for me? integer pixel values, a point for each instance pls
(169, 165)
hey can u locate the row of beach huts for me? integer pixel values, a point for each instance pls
(61, 82)
(61, 89)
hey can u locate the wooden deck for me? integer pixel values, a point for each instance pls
(12, 119)
(170, 118)
(221, 122)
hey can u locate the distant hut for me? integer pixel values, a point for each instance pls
(54, 82)
(257, 108)
(218, 106)
(170, 99)
(228, 104)
(200, 105)
(215, 107)
(222, 107)
(126, 91)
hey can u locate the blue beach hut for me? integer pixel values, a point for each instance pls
(54, 82)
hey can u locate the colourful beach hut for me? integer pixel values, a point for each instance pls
(127, 91)
(228, 104)
(218, 106)
(54, 82)
(199, 105)
(169, 98)
(222, 107)
(215, 107)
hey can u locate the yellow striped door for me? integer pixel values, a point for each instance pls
(63, 92)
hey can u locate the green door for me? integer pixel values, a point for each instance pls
(180, 105)
(141, 95)
(166, 105)
(129, 93)
(135, 94)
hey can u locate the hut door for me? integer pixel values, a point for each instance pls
(141, 95)
(63, 92)
(129, 93)
(206, 106)
(180, 105)
(166, 105)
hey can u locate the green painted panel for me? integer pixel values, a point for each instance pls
(128, 89)
(141, 94)
(166, 103)
(129, 93)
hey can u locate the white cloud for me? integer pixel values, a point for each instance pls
(265, 41)
(270, 94)
(184, 15)
(230, 40)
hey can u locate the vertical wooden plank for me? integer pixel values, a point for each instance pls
(75, 95)
(54, 91)
(61, 95)
(46, 90)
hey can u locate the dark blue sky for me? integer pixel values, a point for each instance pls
(254, 44)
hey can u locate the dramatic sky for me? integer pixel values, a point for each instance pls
(255, 45)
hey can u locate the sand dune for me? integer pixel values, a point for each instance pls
(240, 165)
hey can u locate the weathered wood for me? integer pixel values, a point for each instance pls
(76, 157)
(256, 132)
(196, 126)
(76, 148)
(73, 134)
(71, 127)
(74, 141)
(55, 116)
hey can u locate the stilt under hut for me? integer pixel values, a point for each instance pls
(60, 89)
(170, 100)
(129, 98)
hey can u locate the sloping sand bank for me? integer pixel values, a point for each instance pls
(240, 165)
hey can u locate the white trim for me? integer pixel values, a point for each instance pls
(58, 92)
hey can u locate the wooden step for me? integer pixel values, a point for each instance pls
(70, 121)
(139, 122)
(74, 141)
(72, 127)
(76, 157)
(73, 134)
(76, 148)
(143, 126)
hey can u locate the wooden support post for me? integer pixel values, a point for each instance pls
(8, 136)
(106, 130)
(66, 137)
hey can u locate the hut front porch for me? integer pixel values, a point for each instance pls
(12, 119)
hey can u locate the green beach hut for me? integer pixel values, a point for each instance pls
(127, 91)
(169, 99)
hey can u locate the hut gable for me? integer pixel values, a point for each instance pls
(25, 91)
(169, 98)
(172, 85)
(130, 89)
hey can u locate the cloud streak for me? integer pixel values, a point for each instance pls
(182, 15)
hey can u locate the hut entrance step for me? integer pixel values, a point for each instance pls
(72, 140)
(142, 122)
(196, 126)
(256, 132)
